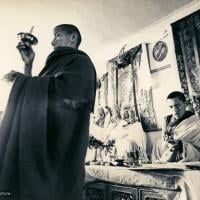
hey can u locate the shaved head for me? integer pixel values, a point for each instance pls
(70, 29)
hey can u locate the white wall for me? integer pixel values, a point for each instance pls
(166, 80)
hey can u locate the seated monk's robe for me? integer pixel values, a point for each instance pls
(44, 132)
(129, 139)
(187, 130)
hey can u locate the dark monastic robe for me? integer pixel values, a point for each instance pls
(44, 133)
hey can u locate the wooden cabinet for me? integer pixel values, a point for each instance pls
(109, 191)
(157, 194)
(95, 191)
(122, 192)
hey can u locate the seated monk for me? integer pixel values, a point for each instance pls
(181, 133)
(129, 137)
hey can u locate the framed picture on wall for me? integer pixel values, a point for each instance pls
(160, 54)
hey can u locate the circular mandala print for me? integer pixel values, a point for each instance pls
(160, 51)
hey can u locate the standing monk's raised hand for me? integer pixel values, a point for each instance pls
(26, 52)
(27, 55)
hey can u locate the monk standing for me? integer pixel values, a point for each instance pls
(44, 133)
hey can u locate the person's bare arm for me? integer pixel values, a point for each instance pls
(28, 56)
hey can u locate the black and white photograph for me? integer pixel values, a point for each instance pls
(100, 100)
